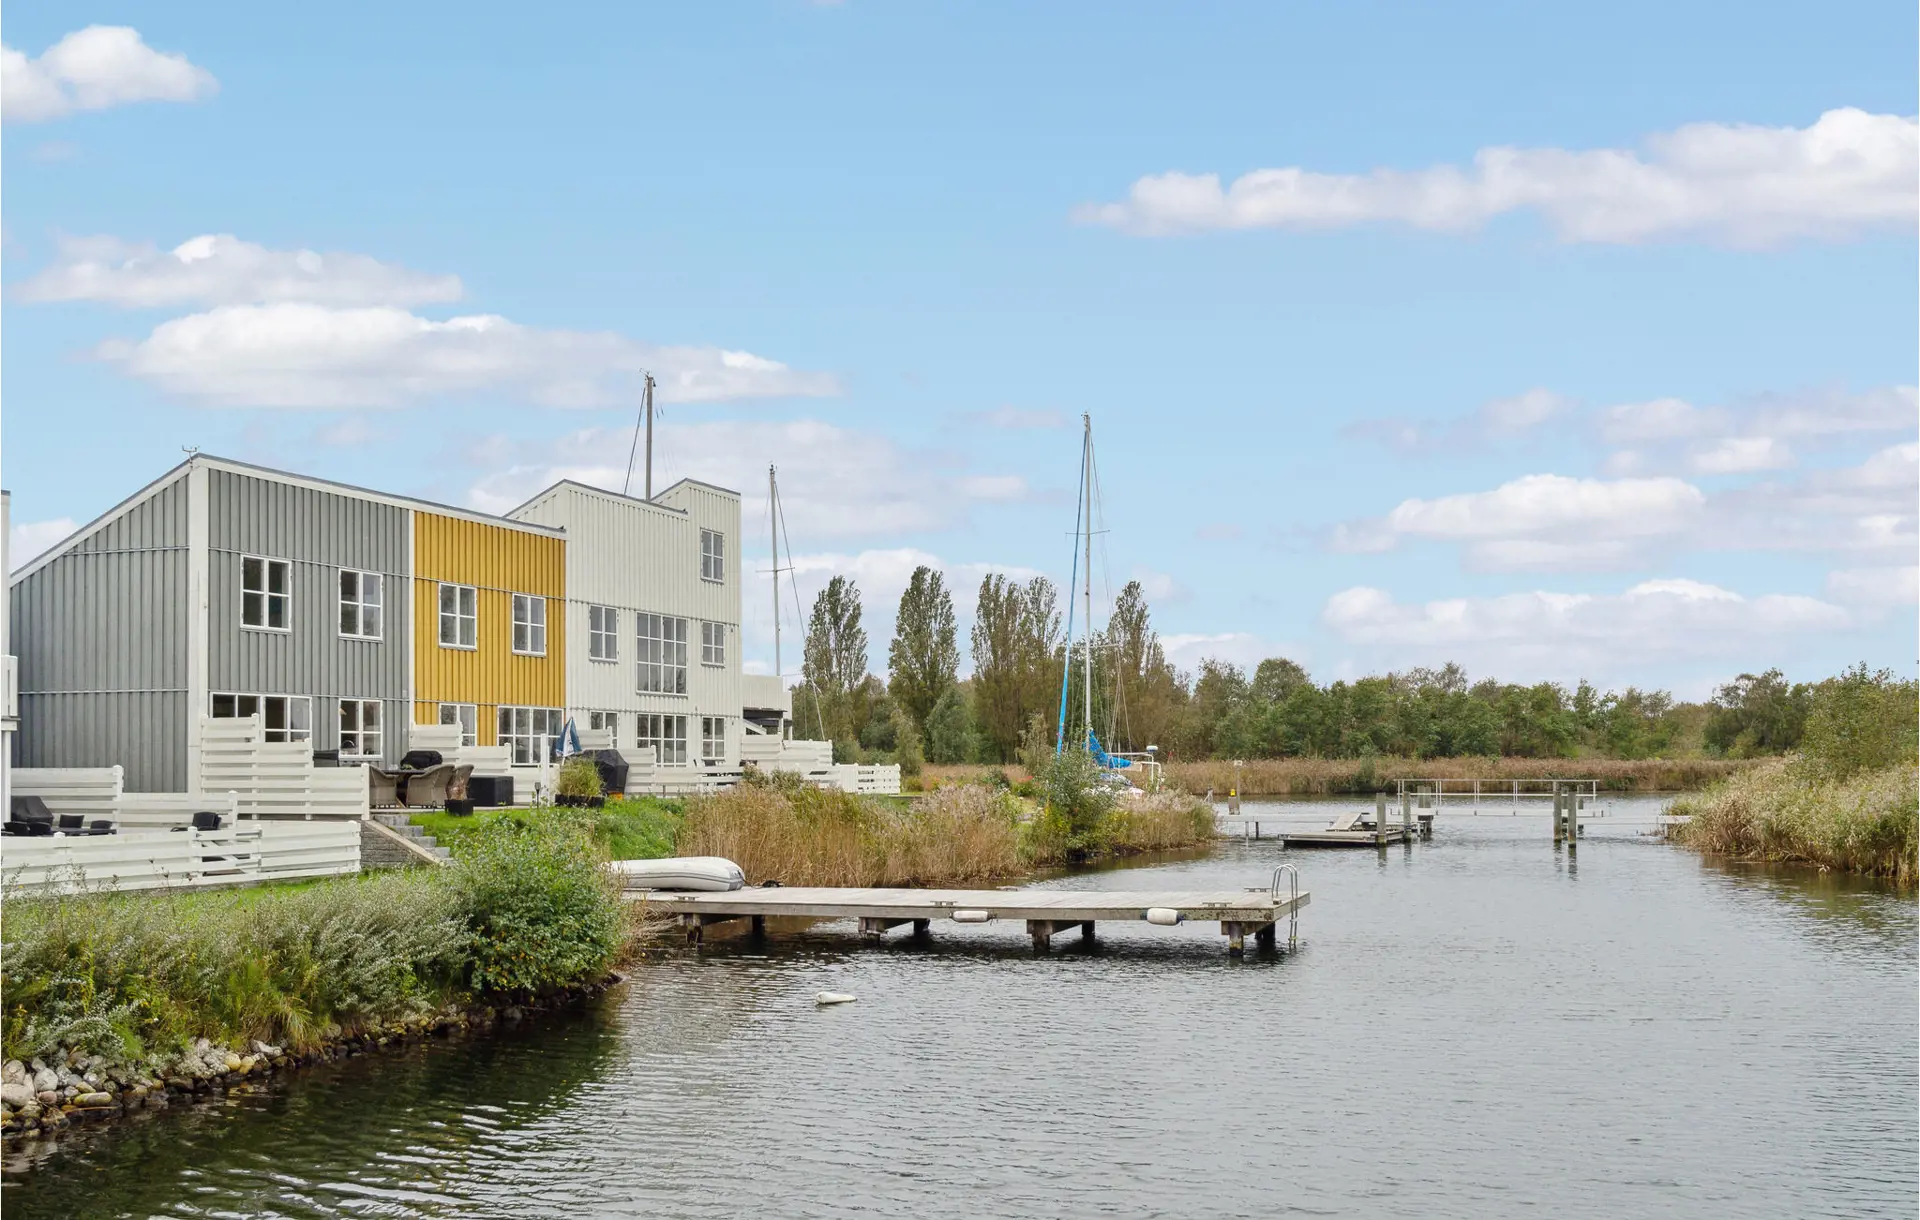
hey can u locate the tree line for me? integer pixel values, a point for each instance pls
(924, 709)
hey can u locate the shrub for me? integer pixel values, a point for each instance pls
(1787, 810)
(1860, 721)
(541, 913)
(578, 778)
(1073, 819)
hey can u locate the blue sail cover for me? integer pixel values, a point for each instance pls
(1102, 757)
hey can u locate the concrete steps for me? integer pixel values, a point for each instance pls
(402, 824)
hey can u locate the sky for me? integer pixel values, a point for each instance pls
(1562, 342)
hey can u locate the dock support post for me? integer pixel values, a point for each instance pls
(1265, 935)
(1044, 930)
(922, 928)
(1086, 930)
(1559, 824)
(1235, 932)
(1380, 819)
(759, 927)
(1406, 813)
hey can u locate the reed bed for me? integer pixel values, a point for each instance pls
(1784, 811)
(956, 834)
(1350, 776)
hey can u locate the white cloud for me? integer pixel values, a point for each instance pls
(834, 482)
(1741, 455)
(1539, 521)
(1187, 649)
(1159, 587)
(94, 69)
(1737, 184)
(1863, 510)
(1570, 634)
(220, 269)
(30, 539)
(1875, 590)
(292, 354)
(1495, 421)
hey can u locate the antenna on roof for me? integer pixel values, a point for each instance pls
(646, 417)
(189, 450)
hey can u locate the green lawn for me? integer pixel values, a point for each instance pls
(633, 828)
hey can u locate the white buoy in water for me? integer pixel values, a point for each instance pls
(823, 998)
(1164, 916)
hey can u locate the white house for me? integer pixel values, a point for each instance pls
(653, 616)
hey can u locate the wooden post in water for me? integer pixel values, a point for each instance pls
(1406, 820)
(1380, 820)
(1559, 827)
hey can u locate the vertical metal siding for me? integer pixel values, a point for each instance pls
(636, 556)
(100, 633)
(319, 532)
(499, 561)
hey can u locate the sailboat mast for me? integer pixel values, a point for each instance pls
(1086, 421)
(773, 540)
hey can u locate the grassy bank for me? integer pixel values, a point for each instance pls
(631, 828)
(1785, 810)
(1347, 776)
(133, 979)
(957, 834)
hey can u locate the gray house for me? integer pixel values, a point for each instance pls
(222, 589)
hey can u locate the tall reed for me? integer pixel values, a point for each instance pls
(1784, 810)
(1338, 776)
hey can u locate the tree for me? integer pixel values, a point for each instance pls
(1149, 693)
(1016, 634)
(925, 654)
(950, 736)
(1862, 720)
(1757, 714)
(1275, 679)
(834, 661)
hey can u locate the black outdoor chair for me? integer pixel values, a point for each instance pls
(206, 820)
(421, 760)
(612, 766)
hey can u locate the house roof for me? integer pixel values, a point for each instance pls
(212, 462)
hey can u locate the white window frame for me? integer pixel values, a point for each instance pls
(660, 665)
(603, 633)
(459, 616)
(606, 720)
(667, 733)
(713, 555)
(358, 604)
(266, 594)
(367, 742)
(529, 625)
(713, 740)
(467, 716)
(521, 730)
(713, 643)
(296, 713)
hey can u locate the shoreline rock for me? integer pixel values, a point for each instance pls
(38, 1097)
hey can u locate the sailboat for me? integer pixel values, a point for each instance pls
(1120, 769)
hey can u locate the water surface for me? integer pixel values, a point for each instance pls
(1476, 1026)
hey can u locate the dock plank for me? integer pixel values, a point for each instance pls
(1243, 906)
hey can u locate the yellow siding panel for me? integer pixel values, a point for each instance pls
(498, 561)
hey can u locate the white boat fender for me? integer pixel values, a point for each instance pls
(1166, 917)
(824, 998)
(972, 916)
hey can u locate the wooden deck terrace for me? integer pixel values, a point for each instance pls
(1046, 912)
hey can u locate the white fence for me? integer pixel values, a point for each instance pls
(275, 779)
(96, 794)
(813, 760)
(867, 780)
(146, 859)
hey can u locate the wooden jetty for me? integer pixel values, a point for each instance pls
(1047, 913)
(1342, 838)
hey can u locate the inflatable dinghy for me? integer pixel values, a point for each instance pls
(703, 873)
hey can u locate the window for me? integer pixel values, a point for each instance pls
(667, 735)
(713, 643)
(663, 654)
(713, 740)
(603, 633)
(360, 728)
(529, 625)
(528, 732)
(713, 555)
(610, 721)
(360, 604)
(459, 616)
(284, 717)
(467, 716)
(266, 593)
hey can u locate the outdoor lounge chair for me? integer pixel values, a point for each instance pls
(428, 790)
(383, 789)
